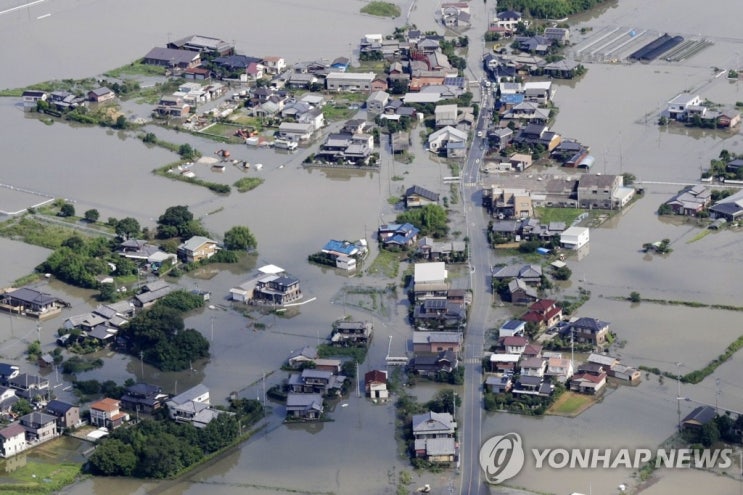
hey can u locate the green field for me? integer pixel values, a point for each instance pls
(136, 69)
(571, 404)
(566, 215)
(37, 477)
(248, 183)
(386, 263)
(381, 9)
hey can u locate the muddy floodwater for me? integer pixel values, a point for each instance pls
(613, 109)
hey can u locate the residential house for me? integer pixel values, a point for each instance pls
(85, 321)
(8, 398)
(691, 201)
(417, 196)
(143, 398)
(172, 106)
(728, 117)
(68, 415)
(184, 406)
(533, 385)
(28, 301)
(32, 96)
(698, 418)
(304, 406)
(534, 134)
(625, 373)
(196, 74)
(512, 328)
(519, 292)
(449, 140)
(439, 314)
(314, 381)
(40, 427)
(437, 341)
(446, 115)
(678, 107)
(380, 84)
(574, 237)
(151, 293)
(277, 289)
(588, 330)
(234, 63)
(533, 113)
(375, 385)
(506, 21)
(514, 344)
(203, 44)
(433, 435)
(598, 191)
(274, 64)
(349, 81)
(352, 333)
(302, 357)
(559, 35)
(588, 383)
(448, 252)
(502, 362)
(431, 363)
(107, 413)
(544, 313)
(172, 58)
(531, 274)
(559, 368)
(500, 139)
(12, 440)
(197, 248)
(499, 384)
(377, 101)
(397, 235)
(347, 148)
(298, 132)
(533, 366)
(99, 95)
(540, 92)
(562, 69)
(29, 387)
(729, 209)
(430, 280)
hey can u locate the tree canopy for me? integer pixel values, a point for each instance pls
(159, 333)
(127, 227)
(430, 219)
(239, 238)
(178, 221)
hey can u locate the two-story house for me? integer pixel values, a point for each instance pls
(107, 413)
(304, 406)
(352, 333)
(29, 387)
(68, 415)
(39, 426)
(433, 435)
(588, 330)
(143, 398)
(12, 440)
(184, 406)
(314, 381)
(277, 289)
(544, 313)
(197, 248)
(598, 191)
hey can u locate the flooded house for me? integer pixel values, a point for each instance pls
(434, 437)
(304, 406)
(107, 413)
(31, 302)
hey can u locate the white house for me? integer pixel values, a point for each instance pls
(12, 440)
(574, 237)
(377, 101)
(446, 115)
(512, 328)
(679, 105)
(430, 273)
(439, 139)
(297, 132)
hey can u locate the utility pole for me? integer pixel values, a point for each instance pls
(717, 395)
(141, 363)
(212, 321)
(264, 389)
(358, 378)
(38, 332)
(678, 392)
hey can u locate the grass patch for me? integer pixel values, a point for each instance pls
(223, 132)
(39, 478)
(337, 112)
(248, 183)
(570, 404)
(212, 186)
(567, 215)
(701, 235)
(136, 69)
(387, 263)
(32, 231)
(381, 9)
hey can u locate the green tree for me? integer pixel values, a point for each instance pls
(121, 122)
(127, 227)
(22, 407)
(430, 219)
(562, 273)
(186, 151)
(177, 221)
(92, 215)
(239, 238)
(67, 210)
(113, 458)
(635, 297)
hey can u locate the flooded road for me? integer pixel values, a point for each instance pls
(296, 210)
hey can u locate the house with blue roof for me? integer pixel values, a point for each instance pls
(398, 235)
(341, 254)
